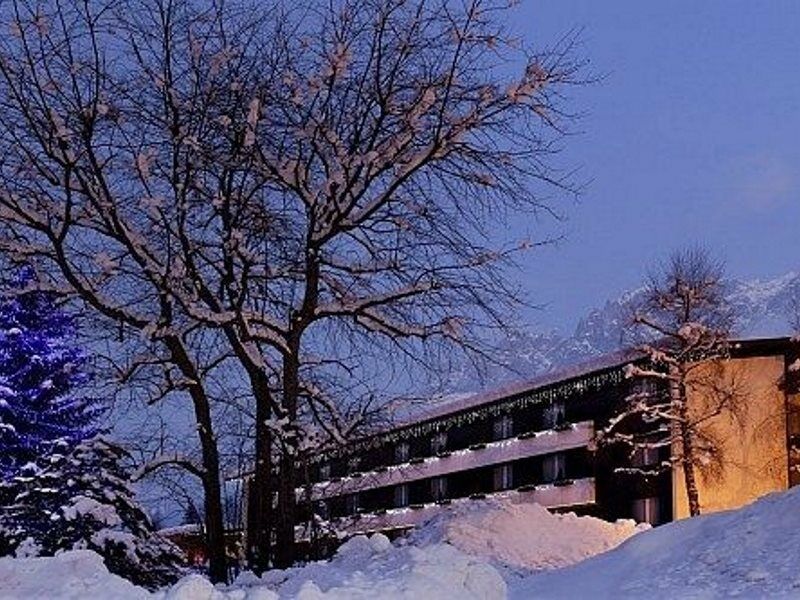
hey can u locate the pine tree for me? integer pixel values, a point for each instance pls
(41, 369)
(80, 499)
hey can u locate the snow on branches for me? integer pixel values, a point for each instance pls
(286, 186)
(682, 382)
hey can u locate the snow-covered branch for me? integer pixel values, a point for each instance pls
(169, 460)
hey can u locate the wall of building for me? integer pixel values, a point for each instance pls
(751, 434)
(792, 389)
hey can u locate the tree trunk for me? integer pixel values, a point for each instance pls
(285, 552)
(287, 495)
(259, 521)
(212, 487)
(687, 450)
(679, 396)
(287, 513)
(259, 526)
(215, 525)
(692, 494)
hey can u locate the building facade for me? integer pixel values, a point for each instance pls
(535, 442)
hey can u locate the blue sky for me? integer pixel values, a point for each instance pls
(692, 136)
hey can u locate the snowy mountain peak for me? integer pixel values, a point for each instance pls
(764, 308)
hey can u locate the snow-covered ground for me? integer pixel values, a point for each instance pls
(752, 552)
(490, 551)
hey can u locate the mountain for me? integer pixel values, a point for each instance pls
(764, 308)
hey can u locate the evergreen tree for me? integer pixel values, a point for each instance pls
(41, 368)
(80, 499)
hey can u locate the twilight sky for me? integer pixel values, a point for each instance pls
(692, 136)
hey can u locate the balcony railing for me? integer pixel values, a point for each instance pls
(544, 442)
(579, 492)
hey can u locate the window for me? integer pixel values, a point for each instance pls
(503, 427)
(401, 495)
(352, 504)
(793, 420)
(323, 510)
(644, 456)
(503, 476)
(401, 452)
(325, 471)
(794, 461)
(554, 414)
(554, 467)
(439, 488)
(439, 442)
(646, 510)
(352, 464)
(647, 386)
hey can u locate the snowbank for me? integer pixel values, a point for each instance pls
(371, 568)
(523, 535)
(751, 552)
(77, 575)
(363, 569)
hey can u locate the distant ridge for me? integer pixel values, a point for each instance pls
(764, 307)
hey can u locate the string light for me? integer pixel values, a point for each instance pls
(561, 391)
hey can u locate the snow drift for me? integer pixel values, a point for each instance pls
(363, 569)
(73, 575)
(371, 568)
(457, 554)
(751, 552)
(523, 535)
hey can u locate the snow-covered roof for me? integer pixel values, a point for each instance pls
(464, 402)
(188, 529)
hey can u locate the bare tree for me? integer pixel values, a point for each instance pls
(681, 385)
(108, 191)
(281, 208)
(395, 143)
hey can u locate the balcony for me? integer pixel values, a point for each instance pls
(543, 442)
(577, 493)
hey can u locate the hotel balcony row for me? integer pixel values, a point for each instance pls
(563, 494)
(474, 459)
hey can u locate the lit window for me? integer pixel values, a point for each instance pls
(401, 495)
(401, 452)
(554, 467)
(503, 477)
(503, 427)
(646, 510)
(439, 442)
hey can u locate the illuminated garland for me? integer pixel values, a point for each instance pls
(593, 382)
(42, 371)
